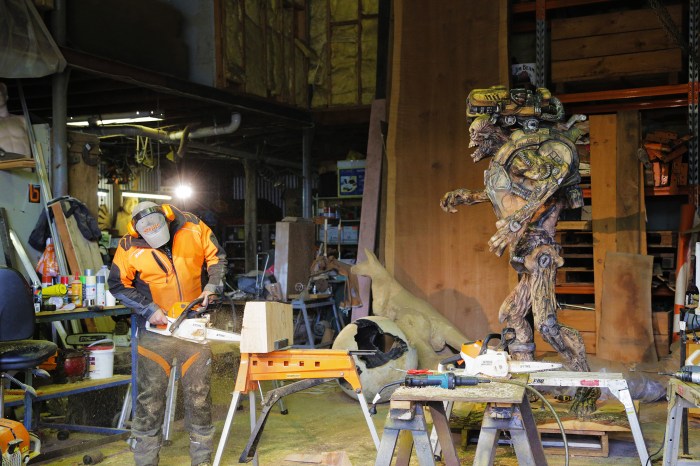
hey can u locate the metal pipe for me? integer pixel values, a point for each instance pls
(164, 136)
(59, 97)
(307, 134)
(210, 131)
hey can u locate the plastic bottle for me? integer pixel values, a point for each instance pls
(90, 290)
(101, 293)
(76, 291)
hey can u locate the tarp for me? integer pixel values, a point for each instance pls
(27, 49)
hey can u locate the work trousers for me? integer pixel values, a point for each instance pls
(155, 355)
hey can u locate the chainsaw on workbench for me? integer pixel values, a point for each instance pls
(477, 358)
(192, 322)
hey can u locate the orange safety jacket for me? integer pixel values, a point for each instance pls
(147, 279)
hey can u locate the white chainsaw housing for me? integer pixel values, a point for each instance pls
(198, 330)
(498, 364)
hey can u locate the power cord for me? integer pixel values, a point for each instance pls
(548, 404)
(661, 447)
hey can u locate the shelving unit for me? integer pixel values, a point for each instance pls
(338, 220)
(234, 245)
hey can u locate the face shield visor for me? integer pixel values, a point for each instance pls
(153, 227)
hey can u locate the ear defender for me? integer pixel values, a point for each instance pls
(168, 212)
(165, 209)
(131, 230)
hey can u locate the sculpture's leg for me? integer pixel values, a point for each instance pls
(514, 313)
(542, 264)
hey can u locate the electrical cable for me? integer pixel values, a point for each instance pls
(548, 404)
(661, 447)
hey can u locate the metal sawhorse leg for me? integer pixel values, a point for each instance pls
(520, 423)
(612, 381)
(681, 395)
(405, 426)
(277, 365)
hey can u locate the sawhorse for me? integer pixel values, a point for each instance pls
(612, 381)
(681, 395)
(306, 367)
(507, 409)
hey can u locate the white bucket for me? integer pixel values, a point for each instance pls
(101, 359)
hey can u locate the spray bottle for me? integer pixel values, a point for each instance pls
(76, 291)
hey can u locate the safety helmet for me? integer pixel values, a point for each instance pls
(150, 222)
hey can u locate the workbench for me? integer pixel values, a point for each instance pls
(406, 416)
(52, 391)
(680, 395)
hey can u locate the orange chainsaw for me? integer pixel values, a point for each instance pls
(17, 444)
(192, 322)
(476, 357)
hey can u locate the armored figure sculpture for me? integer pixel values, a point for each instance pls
(532, 176)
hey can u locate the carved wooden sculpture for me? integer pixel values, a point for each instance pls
(532, 175)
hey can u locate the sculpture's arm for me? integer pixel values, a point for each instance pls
(461, 196)
(512, 227)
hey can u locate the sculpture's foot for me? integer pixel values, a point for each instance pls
(585, 401)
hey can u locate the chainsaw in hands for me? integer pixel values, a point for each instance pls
(191, 323)
(477, 358)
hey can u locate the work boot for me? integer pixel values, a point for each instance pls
(201, 444)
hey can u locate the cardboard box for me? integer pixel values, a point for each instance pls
(264, 324)
(351, 178)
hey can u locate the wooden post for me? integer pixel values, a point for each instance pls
(250, 215)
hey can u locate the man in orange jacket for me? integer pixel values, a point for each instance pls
(157, 264)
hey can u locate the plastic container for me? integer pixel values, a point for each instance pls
(76, 291)
(101, 295)
(101, 359)
(90, 290)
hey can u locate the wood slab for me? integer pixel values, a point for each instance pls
(370, 200)
(625, 333)
(81, 254)
(440, 257)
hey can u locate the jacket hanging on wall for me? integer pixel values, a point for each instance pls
(87, 224)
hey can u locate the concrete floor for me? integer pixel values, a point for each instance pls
(324, 419)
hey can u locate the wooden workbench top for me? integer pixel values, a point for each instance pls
(482, 393)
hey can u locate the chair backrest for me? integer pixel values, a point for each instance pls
(16, 306)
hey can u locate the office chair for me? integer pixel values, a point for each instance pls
(18, 352)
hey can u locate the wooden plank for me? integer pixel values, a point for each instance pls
(264, 323)
(661, 322)
(294, 252)
(574, 225)
(83, 178)
(622, 21)
(427, 250)
(630, 224)
(610, 44)
(370, 200)
(27, 162)
(625, 333)
(81, 254)
(662, 343)
(603, 137)
(630, 64)
(596, 442)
